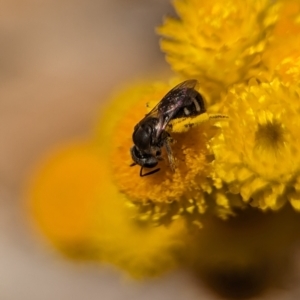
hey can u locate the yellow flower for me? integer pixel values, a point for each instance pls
(74, 203)
(257, 152)
(217, 42)
(164, 195)
(61, 195)
(281, 57)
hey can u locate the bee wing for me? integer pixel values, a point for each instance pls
(166, 104)
(174, 99)
(171, 103)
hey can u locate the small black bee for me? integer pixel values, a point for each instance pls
(149, 135)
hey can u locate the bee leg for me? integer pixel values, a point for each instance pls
(217, 116)
(167, 142)
(149, 173)
(133, 164)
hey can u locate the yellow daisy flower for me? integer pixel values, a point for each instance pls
(257, 154)
(165, 195)
(75, 204)
(217, 42)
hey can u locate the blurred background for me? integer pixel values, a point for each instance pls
(59, 61)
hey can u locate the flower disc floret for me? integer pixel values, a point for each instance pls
(165, 192)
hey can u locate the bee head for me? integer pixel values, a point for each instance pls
(144, 160)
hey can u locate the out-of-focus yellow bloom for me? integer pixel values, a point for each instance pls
(165, 194)
(63, 193)
(217, 42)
(257, 153)
(74, 202)
(281, 57)
(135, 245)
(288, 22)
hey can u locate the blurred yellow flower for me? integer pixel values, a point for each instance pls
(62, 195)
(281, 57)
(256, 154)
(75, 204)
(217, 42)
(288, 22)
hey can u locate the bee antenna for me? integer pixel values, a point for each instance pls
(149, 173)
